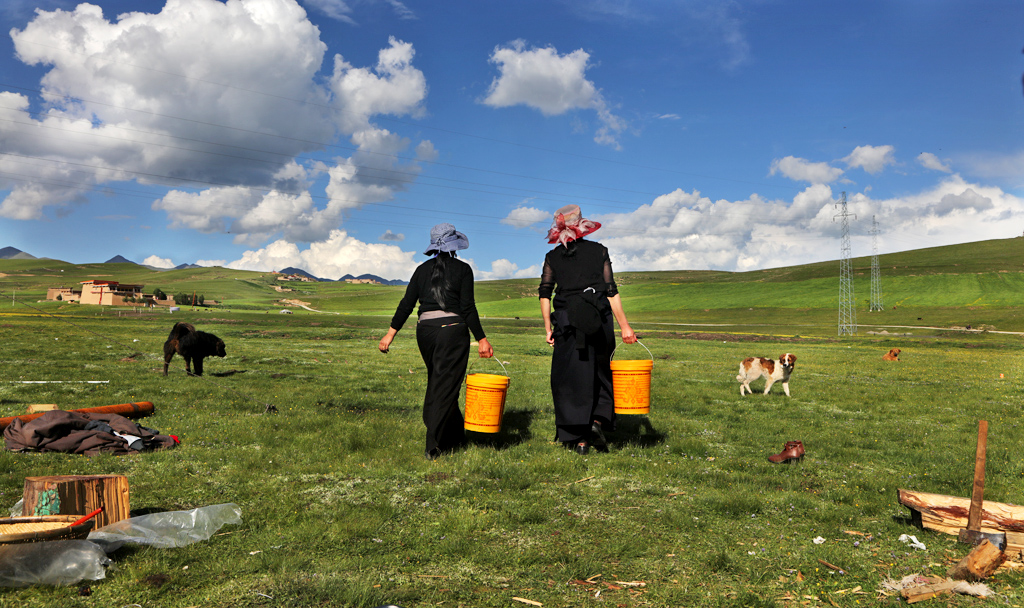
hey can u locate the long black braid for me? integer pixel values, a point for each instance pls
(440, 279)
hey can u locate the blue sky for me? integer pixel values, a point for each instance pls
(331, 135)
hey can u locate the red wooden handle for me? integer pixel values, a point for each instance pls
(88, 517)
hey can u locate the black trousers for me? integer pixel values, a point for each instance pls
(581, 379)
(444, 346)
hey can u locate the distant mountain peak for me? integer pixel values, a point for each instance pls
(291, 271)
(118, 259)
(11, 253)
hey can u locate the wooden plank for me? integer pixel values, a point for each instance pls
(927, 592)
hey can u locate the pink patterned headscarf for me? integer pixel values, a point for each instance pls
(569, 225)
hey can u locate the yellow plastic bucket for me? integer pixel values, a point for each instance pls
(631, 382)
(485, 401)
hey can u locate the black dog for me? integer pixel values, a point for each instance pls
(192, 345)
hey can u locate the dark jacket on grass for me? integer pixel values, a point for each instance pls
(82, 433)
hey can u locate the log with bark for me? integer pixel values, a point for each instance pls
(137, 409)
(948, 514)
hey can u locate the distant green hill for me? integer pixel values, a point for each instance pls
(986, 275)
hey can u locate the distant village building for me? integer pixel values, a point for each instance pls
(63, 294)
(294, 277)
(103, 293)
(362, 281)
(109, 293)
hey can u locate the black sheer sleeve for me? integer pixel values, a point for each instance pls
(609, 278)
(547, 281)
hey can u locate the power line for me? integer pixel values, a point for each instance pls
(292, 156)
(186, 182)
(378, 117)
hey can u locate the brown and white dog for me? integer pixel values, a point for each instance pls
(753, 368)
(892, 355)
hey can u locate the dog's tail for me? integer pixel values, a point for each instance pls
(739, 377)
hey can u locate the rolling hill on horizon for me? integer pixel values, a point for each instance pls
(984, 278)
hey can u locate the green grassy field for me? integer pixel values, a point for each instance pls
(340, 508)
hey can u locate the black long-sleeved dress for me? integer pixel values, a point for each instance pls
(444, 345)
(581, 376)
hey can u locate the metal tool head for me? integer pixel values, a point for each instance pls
(974, 537)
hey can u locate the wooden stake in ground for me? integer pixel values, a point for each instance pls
(77, 495)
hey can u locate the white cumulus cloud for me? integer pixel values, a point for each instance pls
(930, 161)
(521, 217)
(332, 258)
(686, 230)
(504, 269)
(554, 84)
(872, 159)
(158, 262)
(803, 170)
(221, 101)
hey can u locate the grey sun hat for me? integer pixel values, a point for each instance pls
(444, 237)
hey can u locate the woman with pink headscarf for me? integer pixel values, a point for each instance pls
(578, 273)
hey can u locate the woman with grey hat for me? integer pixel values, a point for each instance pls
(443, 285)
(580, 330)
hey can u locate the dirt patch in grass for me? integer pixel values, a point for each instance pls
(740, 337)
(263, 333)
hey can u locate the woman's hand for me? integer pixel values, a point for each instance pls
(620, 317)
(385, 342)
(627, 334)
(485, 349)
(545, 313)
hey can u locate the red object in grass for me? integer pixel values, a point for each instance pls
(88, 517)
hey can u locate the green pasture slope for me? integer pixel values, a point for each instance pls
(341, 509)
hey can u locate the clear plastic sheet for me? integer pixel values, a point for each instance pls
(56, 562)
(66, 562)
(171, 528)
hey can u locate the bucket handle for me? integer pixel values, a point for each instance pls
(496, 359)
(638, 342)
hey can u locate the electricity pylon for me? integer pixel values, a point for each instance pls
(876, 279)
(847, 304)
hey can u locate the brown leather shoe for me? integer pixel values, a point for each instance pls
(793, 450)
